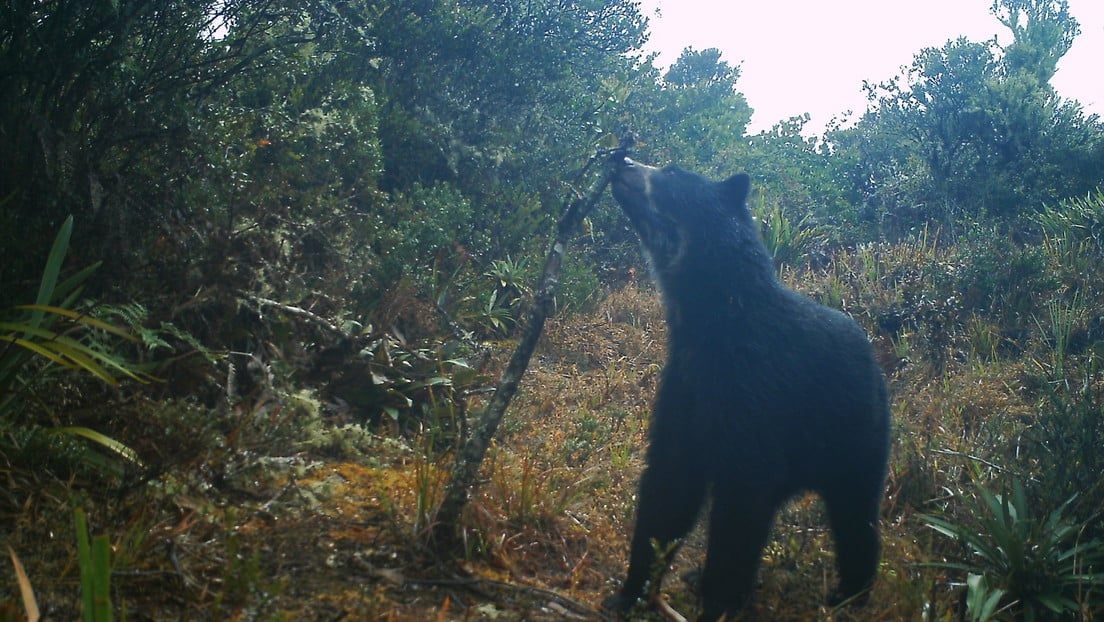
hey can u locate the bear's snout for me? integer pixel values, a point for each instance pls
(628, 166)
(630, 181)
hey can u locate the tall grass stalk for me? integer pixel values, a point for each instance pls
(429, 482)
(1063, 318)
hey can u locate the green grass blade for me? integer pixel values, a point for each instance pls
(82, 353)
(81, 357)
(104, 440)
(69, 352)
(1057, 603)
(942, 526)
(989, 607)
(101, 565)
(83, 319)
(84, 560)
(39, 350)
(68, 291)
(75, 355)
(53, 268)
(28, 330)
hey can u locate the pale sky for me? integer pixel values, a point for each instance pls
(812, 56)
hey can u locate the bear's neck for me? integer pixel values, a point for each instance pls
(697, 295)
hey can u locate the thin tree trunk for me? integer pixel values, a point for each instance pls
(445, 531)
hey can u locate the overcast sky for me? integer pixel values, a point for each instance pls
(812, 56)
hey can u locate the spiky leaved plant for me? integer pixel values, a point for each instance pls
(1023, 567)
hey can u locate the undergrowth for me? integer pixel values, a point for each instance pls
(290, 502)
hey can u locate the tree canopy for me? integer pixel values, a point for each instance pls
(974, 130)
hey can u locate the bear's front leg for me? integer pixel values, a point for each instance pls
(739, 527)
(672, 490)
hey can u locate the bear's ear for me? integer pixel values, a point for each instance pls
(734, 190)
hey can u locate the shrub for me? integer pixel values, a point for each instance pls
(1067, 444)
(1026, 567)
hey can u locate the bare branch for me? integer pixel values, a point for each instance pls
(468, 460)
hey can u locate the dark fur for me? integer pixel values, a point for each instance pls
(765, 394)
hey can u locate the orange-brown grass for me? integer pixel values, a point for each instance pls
(559, 501)
(557, 505)
(560, 496)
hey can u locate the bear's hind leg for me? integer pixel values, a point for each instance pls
(854, 515)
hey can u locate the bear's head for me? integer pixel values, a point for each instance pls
(684, 219)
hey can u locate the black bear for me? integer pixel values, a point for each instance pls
(765, 394)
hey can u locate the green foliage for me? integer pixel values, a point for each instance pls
(787, 241)
(1067, 441)
(423, 226)
(395, 383)
(580, 288)
(44, 341)
(399, 165)
(990, 273)
(810, 177)
(511, 281)
(974, 131)
(99, 107)
(1042, 30)
(94, 560)
(693, 116)
(1020, 565)
(58, 348)
(1075, 222)
(1063, 317)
